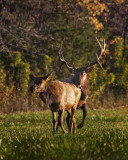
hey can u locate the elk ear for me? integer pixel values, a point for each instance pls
(48, 76)
(32, 77)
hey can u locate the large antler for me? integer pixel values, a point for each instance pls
(69, 66)
(86, 68)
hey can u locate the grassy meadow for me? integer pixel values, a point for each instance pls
(29, 136)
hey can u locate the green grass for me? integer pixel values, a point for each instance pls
(29, 136)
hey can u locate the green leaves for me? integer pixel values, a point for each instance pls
(31, 32)
(99, 79)
(15, 70)
(2, 73)
(118, 64)
(14, 58)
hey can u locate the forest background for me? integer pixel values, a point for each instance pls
(30, 37)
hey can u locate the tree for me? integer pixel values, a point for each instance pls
(31, 33)
(117, 64)
(112, 14)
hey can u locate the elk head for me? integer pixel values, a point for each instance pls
(39, 83)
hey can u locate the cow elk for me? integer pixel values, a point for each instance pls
(80, 79)
(59, 96)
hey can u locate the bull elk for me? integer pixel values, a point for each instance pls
(80, 79)
(59, 96)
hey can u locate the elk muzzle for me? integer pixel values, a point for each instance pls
(35, 88)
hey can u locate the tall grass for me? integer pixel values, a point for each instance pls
(29, 136)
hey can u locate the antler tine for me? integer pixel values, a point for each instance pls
(104, 44)
(99, 62)
(102, 48)
(99, 43)
(87, 68)
(70, 67)
(102, 51)
(60, 52)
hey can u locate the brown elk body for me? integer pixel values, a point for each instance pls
(59, 96)
(80, 78)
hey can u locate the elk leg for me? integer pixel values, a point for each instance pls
(54, 121)
(83, 107)
(60, 121)
(68, 119)
(73, 120)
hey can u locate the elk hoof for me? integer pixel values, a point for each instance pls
(65, 132)
(80, 126)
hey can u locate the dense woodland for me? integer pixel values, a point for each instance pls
(30, 35)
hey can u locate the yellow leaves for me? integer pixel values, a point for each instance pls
(120, 1)
(95, 8)
(96, 1)
(106, 51)
(105, 19)
(118, 46)
(96, 23)
(102, 7)
(78, 2)
(87, 1)
(115, 40)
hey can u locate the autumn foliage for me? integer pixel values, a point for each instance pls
(30, 36)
